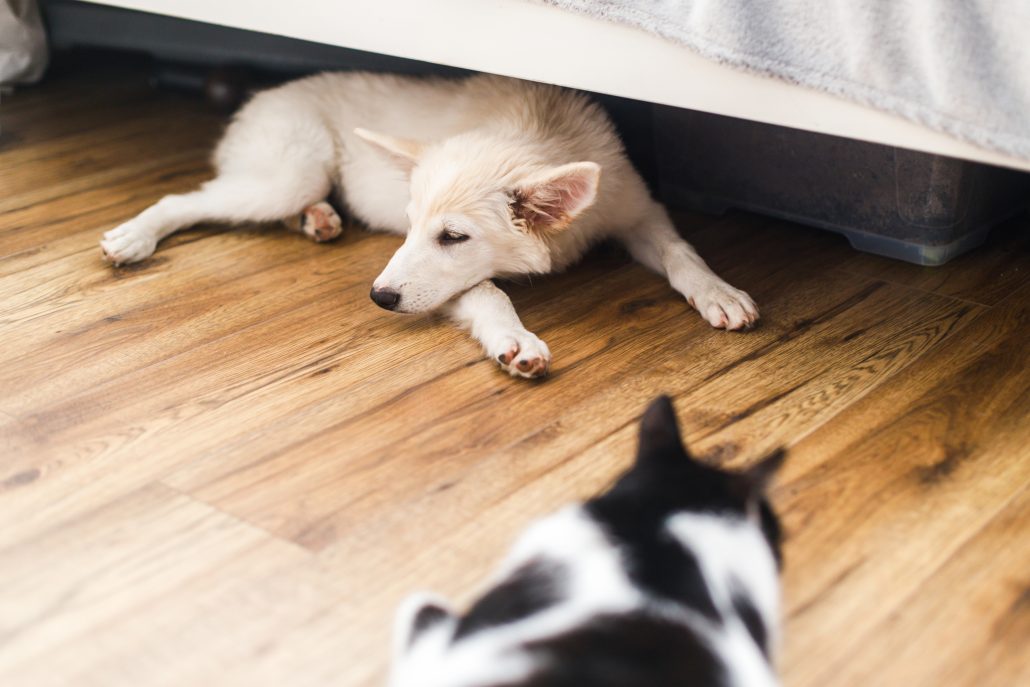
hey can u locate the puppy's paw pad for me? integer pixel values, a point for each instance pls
(320, 222)
(532, 366)
(508, 356)
(725, 307)
(523, 354)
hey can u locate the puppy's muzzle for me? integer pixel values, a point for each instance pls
(385, 298)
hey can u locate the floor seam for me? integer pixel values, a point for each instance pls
(236, 518)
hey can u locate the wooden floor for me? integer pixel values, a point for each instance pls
(225, 466)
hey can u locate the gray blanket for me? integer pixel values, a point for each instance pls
(958, 66)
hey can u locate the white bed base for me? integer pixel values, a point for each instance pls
(542, 43)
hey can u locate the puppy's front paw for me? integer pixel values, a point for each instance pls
(128, 243)
(725, 307)
(521, 354)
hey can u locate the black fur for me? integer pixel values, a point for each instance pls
(667, 480)
(426, 617)
(640, 648)
(626, 651)
(770, 526)
(654, 560)
(530, 589)
(752, 619)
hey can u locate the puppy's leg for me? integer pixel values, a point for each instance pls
(228, 198)
(488, 314)
(655, 243)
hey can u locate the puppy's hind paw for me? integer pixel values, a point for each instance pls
(725, 307)
(521, 354)
(320, 223)
(127, 244)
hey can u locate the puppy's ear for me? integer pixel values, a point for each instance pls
(754, 481)
(417, 615)
(550, 200)
(660, 433)
(761, 473)
(403, 152)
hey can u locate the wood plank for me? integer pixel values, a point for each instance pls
(984, 276)
(48, 226)
(472, 528)
(36, 124)
(645, 351)
(128, 555)
(63, 445)
(977, 605)
(920, 456)
(28, 173)
(91, 307)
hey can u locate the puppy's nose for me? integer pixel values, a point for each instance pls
(385, 298)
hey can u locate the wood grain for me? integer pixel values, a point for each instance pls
(226, 466)
(986, 276)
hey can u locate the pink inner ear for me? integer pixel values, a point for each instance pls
(555, 201)
(577, 193)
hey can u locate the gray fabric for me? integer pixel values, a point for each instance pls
(23, 49)
(958, 66)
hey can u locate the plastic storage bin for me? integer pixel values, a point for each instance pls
(913, 206)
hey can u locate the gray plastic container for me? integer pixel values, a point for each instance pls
(904, 204)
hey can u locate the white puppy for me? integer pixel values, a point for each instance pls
(487, 176)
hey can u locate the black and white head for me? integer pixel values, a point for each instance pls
(669, 578)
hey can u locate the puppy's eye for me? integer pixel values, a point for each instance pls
(449, 237)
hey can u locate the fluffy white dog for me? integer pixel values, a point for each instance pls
(486, 176)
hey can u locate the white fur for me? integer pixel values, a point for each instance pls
(733, 553)
(489, 315)
(447, 155)
(597, 584)
(727, 549)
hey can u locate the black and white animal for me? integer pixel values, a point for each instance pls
(668, 579)
(485, 177)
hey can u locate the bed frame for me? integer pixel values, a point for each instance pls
(531, 40)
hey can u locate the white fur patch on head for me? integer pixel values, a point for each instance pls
(737, 565)
(553, 198)
(731, 549)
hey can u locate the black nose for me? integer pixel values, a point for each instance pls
(385, 298)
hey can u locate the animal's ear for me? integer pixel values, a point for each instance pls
(660, 432)
(417, 615)
(550, 200)
(403, 152)
(754, 481)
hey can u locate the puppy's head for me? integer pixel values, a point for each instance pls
(594, 594)
(479, 208)
(668, 479)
